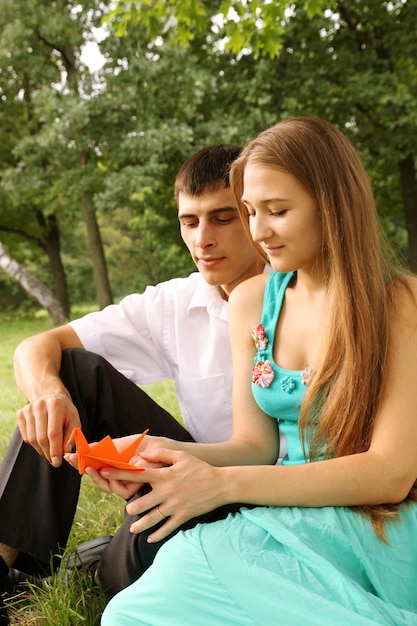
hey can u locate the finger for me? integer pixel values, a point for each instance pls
(74, 422)
(162, 456)
(164, 531)
(36, 428)
(123, 489)
(153, 518)
(21, 422)
(142, 504)
(98, 481)
(25, 419)
(71, 459)
(131, 476)
(56, 421)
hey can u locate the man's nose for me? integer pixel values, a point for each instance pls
(205, 236)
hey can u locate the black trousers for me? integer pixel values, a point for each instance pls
(38, 502)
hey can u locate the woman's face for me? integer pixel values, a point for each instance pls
(283, 217)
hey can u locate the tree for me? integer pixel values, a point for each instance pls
(42, 78)
(108, 146)
(240, 24)
(348, 67)
(33, 286)
(351, 61)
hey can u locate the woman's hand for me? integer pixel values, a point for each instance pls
(183, 487)
(123, 488)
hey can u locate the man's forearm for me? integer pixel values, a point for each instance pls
(37, 362)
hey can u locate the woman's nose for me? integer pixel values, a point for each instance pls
(259, 229)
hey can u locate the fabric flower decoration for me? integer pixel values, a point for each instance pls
(262, 374)
(287, 384)
(306, 375)
(258, 334)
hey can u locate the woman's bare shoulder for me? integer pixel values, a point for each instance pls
(407, 297)
(249, 289)
(246, 301)
(404, 316)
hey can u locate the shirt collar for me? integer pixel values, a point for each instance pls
(208, 297)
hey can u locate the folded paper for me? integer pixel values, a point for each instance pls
(103, 453)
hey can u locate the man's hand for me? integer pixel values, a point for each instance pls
(46, 424)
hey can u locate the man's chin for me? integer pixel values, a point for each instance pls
(212, 277)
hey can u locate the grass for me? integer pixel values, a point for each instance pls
(67, 601)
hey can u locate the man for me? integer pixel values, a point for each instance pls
(86, 373)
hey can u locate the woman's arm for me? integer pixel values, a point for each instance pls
(254, 439)
(384, 474)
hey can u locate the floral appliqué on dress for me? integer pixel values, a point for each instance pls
(306, 375)
(258, 334)
(263, 374)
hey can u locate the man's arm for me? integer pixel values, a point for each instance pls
(47, 420)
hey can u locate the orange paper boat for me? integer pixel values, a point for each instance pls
(103, 453)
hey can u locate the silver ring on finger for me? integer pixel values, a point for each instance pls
(159, 513)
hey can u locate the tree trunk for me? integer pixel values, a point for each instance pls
(102, 283)
(409, 193)
(98, 259)
(33, 286)
(53, 250)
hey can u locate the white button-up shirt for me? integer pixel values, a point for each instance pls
(175, 330)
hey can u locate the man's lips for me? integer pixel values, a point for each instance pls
(210, 262)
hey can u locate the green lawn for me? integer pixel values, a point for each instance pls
(11, 333)
(62, 601)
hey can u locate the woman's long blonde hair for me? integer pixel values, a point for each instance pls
(338, 413)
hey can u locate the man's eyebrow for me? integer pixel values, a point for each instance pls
(225, 209)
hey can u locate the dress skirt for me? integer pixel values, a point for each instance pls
(271, 566)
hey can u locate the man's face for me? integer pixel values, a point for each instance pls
(214, 235)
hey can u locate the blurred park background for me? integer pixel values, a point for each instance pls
(101, 101)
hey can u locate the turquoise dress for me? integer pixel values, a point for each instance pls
(279, 566)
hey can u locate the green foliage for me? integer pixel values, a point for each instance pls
(251, 24)
(67, 601)
(120, 136)
(13, 330)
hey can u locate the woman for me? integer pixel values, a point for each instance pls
(326, 344)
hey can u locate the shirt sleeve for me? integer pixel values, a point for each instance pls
(130, 335)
